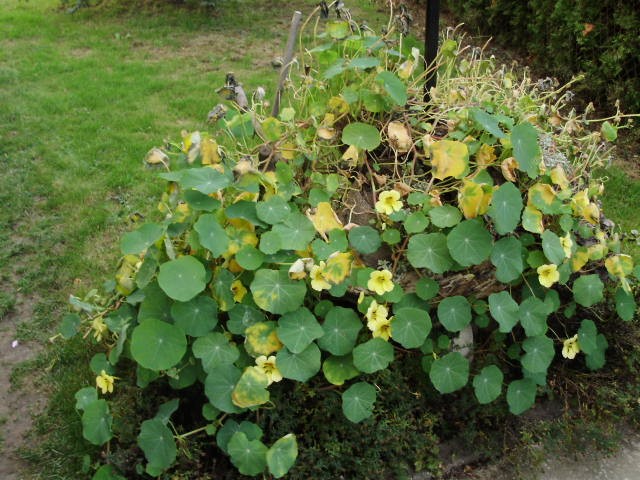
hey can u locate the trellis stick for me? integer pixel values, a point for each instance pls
(288, 58)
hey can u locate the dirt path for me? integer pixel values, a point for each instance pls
(18, 406)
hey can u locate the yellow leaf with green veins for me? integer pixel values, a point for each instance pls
(251, 389)
(619, 265)
(485, 155)
(541, 195)
(449, 158)
(262, 339)
(579, 259)
(532, 219)
(338, 267)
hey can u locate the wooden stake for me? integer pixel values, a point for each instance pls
(288, 58)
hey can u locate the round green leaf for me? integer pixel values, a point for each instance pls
(248, 456)
(298, 329)
(394, 87)
(197, 316)
(214, 350)
(157, 443)
(337, 370)
(504, 310)
(533, 316)
(299, 366)
(526, 149)
(249, 257)
(588, 337)
(552, 247)
(139, 240)
(450, 372)
(182, 278)
(282, 455)
(596, 359)
(364, 62)
(157, 345)
(85, 396)
(242, 317)
(364, 239)
(487, 385)
(206, 180)
(505, 209)
(270, 242)
(275, 292)
(445, 216)
(296, 232)
(507, 258)
(608, 131)
(200, 201)
(156, 304)
(540, 353)
(96, 422)
(391, 236)
(625, 305)
(521, 395)
(587, 290)
(469, 242)
(429, 250)
(273, 210)
(416, 222)
(218, 386)
(251, 430)
(361, 135)
(107, 472)
(358, 401)
(454, 313)
(211, 234)
(427, 288)
(410, 327)
(373, 355)
(341, 327)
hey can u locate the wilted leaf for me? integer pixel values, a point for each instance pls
(449, 158)
(399, 137)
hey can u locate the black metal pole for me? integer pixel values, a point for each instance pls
(431, 27)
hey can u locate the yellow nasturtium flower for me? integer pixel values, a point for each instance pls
(378, 322)
(105, 382)
(380, 281)
(567, 244)
(548, 275)
(571, 347)
(318, 282)
(99, 328)
(267, 365)
(238, 290)
(389, 202)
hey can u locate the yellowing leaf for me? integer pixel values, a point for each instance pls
(338, 105)
(532, 219)
(558, 177)
(591, 213)
(261, 339)
(406, 69)
(352, 155)
(240, 233)
(541, 194)
(474, 198)
(338, 267)
(324, 219)
(579, 201)
(209, 151)
(597, 251)
(288, 151)
(399, 137)
(272, 129)
(449, 158)
(155, 156)
(579, 259)
(326, 133)
(619, 265)
(508, 168)
(485, 155)
(251, 389)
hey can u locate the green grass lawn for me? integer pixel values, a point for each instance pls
(83, 97)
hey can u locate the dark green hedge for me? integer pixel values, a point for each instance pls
(565, 37)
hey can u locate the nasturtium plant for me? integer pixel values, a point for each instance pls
(359, 227)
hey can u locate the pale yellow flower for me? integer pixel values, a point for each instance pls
(99, 328)
(548, 275)
(267, 365)
(567, 244)
(380, 281)
(376, 312)
(105, 382)
(318, 282)
(571, 347)
(380, 328)
(238, 290)
(388, 202)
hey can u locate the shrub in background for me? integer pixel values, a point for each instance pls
(568, 37)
